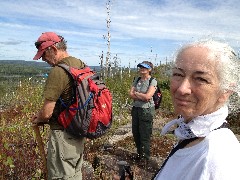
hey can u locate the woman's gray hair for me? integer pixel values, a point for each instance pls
(228, 66)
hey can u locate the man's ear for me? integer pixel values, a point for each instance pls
(55, 50)
(225, 96)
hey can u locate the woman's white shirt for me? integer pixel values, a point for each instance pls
(217, 157)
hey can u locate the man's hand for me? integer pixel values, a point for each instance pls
(34, 120)
(45, 113)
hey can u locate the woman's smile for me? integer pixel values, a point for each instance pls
(182, 102)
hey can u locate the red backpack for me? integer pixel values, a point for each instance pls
(90, 115)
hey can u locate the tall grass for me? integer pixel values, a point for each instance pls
(19, 154)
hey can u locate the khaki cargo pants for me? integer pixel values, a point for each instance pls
(65, 156)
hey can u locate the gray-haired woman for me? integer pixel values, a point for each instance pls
(205, 77)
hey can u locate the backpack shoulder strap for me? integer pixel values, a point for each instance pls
(138, 79)
(180, 145)
(66, 68)
(150, 80)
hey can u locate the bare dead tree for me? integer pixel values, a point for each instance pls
(108, 37)
(101, 66)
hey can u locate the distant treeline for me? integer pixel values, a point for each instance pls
(26, 68)
(22, 68)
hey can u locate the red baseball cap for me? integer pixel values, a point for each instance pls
(46, 40)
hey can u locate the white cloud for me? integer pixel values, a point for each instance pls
(135, 25)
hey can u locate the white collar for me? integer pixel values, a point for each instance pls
(200, 126)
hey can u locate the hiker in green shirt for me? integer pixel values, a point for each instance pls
(143, 109)
(65, 152)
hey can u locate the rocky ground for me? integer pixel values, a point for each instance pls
(104, 161)
(119, 149)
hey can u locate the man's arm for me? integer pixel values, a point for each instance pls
(45, 113)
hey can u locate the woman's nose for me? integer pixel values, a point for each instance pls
(184, 87)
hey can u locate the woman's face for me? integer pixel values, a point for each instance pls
(144, 71)
(195, 85)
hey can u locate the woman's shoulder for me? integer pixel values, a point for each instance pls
(222, 143)
(136, 79)
(153, 81)
(223, 154)
(222, 136)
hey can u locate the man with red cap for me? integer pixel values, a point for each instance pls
(65, 152)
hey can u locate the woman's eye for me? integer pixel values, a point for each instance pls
(177, 74)
(201, 79)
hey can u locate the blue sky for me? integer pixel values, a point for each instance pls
(140, 29)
